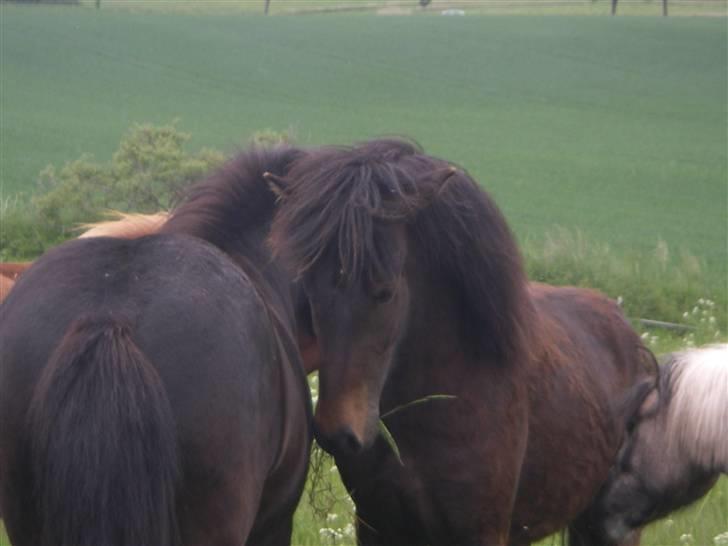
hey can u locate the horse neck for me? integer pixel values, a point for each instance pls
(430, 353)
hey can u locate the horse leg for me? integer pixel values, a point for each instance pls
(366, 535)
(219, 511)
(276, 535)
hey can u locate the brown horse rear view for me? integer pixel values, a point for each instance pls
(416, 288)
(150, 389)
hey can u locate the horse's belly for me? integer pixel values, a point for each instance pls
(568, 459)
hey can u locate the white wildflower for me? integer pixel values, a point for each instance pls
(721, 539)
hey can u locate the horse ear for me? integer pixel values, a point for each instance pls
(436, 183)
(277, 184)
(639, 402)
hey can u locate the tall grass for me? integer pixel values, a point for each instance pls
(660, 285)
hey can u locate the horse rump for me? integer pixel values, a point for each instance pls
(101, 443)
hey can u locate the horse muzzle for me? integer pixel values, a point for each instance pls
(342, 428)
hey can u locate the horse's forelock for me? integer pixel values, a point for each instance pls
(698, 409)
(337, 201)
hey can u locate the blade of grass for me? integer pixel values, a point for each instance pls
(390, 440)
(417, 402)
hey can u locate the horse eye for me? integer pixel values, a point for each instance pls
(382, 295)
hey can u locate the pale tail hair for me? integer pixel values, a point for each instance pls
(698, 408)
(125, 225)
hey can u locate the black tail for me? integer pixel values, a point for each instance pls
(102, 443)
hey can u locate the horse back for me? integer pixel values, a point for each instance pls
(584, 326)
(205, 329)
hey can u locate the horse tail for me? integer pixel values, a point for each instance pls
(102, 443)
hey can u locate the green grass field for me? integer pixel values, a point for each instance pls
(612, 126)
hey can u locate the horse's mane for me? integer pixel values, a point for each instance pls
(234, 200)
(697, 409)
(125, 225)
(341, 201)
(233, 209)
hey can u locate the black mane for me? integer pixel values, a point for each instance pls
(343, 200)
(223, 208)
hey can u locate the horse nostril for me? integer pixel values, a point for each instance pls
(345, 442)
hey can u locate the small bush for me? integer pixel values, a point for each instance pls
(146, 174)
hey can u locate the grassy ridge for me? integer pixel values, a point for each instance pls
(614, 126)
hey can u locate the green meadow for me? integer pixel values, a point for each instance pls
(610, 129)
(614, 126)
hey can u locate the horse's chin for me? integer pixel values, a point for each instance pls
(617, 529)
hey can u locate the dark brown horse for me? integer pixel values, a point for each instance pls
(150, 389)
(417, 289)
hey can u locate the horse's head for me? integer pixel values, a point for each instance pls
(632, 494)
(657, 471)
(343, 225)
(357, 322)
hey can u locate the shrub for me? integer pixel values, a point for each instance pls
(146, 174)
(149, 172)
